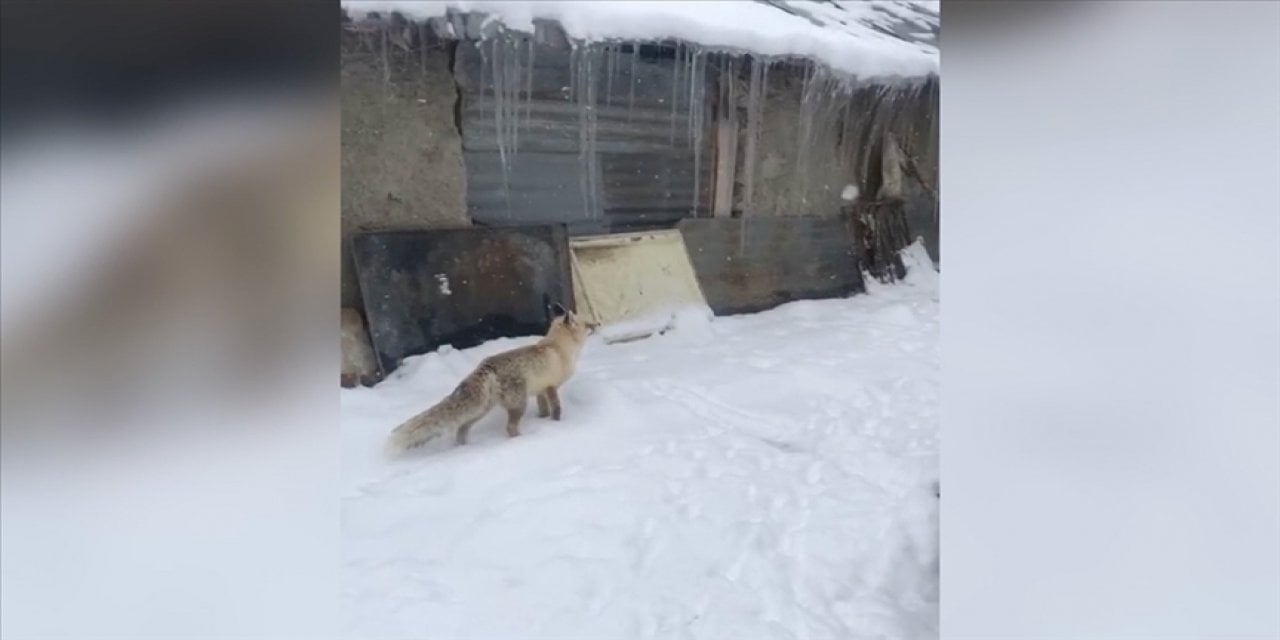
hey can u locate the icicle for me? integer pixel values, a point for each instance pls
(723, 98)
(732, 102)
(693, 79)
(590, 82)
(631, 97)
(386, 63)
(512, 82)
(611, 53)
(498, 125)
(875, 126)
(697, 85)
(509, 77)
(573, 71)
(675, 90)
(422, 45)
(846, 125)
(755, 111)
(528, 86)
(758, 94)
(575, 93)
(732, 68)
(586, 94)
(723, 77)
(484, 68)
(804, 139)
(499, 113)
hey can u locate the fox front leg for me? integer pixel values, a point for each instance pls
(553, 399)
(544, 405)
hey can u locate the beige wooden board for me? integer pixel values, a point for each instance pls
(620, 277)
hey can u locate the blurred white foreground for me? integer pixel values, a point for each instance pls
(760, 476)
(167, 308)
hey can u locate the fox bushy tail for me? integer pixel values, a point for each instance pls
(473, 398)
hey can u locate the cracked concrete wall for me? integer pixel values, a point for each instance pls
(800, 168)
(402, 162)
(883, 141)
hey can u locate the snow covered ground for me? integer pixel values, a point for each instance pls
(760, 476)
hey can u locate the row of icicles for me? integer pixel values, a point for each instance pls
(826, 104)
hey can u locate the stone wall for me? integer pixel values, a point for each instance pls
(401, 151)
(800, 169)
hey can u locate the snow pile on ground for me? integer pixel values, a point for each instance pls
(759, 476)
(922, 271)
(689, 318)
(858, 38)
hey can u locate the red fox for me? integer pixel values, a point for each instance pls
(506, 379)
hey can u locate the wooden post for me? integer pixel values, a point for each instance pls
(726, 146)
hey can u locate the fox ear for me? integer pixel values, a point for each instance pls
(558, 310)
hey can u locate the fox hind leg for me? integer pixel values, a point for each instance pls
(514, 401)
(461, 437)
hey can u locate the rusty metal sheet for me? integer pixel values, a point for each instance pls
(460, 287)
(760, 263)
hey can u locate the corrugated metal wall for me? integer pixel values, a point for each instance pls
(598, 137)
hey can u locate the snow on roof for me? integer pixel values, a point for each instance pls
(861, 38)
